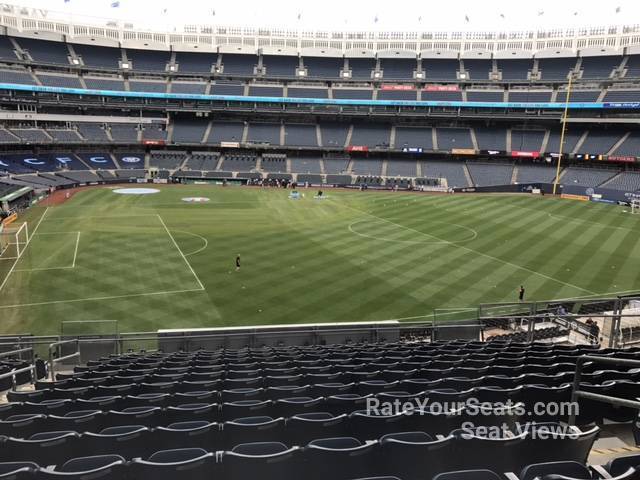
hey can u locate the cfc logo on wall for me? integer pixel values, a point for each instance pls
(130, 159)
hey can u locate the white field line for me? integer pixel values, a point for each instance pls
(41, 269)
(93, 299)
(491, 257)
(38, 269)
(26, 245)
(75, 252)
(105, 216)
(180, 251)
(206, 242)
(412, 242)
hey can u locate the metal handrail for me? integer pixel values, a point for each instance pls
(12, 374)
(576, 393)
(54, 347)
(16, 352)
(256, 331)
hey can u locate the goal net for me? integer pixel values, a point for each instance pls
(13, 240)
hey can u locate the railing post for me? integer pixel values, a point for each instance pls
(576, 387)
(615, 323)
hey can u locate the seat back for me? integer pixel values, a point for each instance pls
(340, 458)
(264, 460)
(568, 469)
(415, 455)
(468, 475)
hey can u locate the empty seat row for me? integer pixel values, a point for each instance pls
(409, 454)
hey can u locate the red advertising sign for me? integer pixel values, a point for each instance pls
(621, 158)
(518, 153)
(153, 142)
(396, 87)
(441, 88)
(357, 148)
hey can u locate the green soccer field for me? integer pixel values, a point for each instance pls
(155, 261)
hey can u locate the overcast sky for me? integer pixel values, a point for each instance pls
(491, 15)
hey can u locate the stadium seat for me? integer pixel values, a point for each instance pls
(49, 407)
(130, 441)
(367, 425)
(146, 416)
(189, 412)
(286, 391)
(264, 460)
(566, 469)
(414, 455)
(43, 448)
(250, 429)
(79, 421)
(111, 467)
(340, 458)
(327, 389)
(104, 403)
(22, 426)
(194, 434)
(346, 403)
(476, 449)
(246, 408)
(548, 442)
(619, 466)
(468, 475)
(305, 427)
(17, 470)
(288, 407)
(147, 400)
(192, 463)
(242, 394)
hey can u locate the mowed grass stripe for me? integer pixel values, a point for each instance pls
(478, 252)
(302, 264)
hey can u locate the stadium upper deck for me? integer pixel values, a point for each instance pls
(400, 66)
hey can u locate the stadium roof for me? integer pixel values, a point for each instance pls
(368, 15)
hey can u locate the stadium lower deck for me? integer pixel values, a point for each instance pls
(285, 412)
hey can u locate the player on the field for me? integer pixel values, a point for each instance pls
(521, 293)
(237, 262)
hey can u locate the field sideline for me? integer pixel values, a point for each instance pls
(157, 262)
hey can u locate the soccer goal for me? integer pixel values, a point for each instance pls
(13, 240)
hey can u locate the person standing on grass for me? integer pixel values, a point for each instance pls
(521, 293)
(237, 262)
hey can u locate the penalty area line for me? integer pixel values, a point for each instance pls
(181, 253)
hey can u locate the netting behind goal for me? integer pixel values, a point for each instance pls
(13, 240)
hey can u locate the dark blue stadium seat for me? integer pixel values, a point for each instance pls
(252, 429)
(265, 460)
(17, 470)
(130, 441)
(414, 455)
(44, 448)
(340, 458)
(565, 468)
(111, 467)
(303, 428)
(192, 463)
(290, 406)
(481, 474)
(194, 434)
